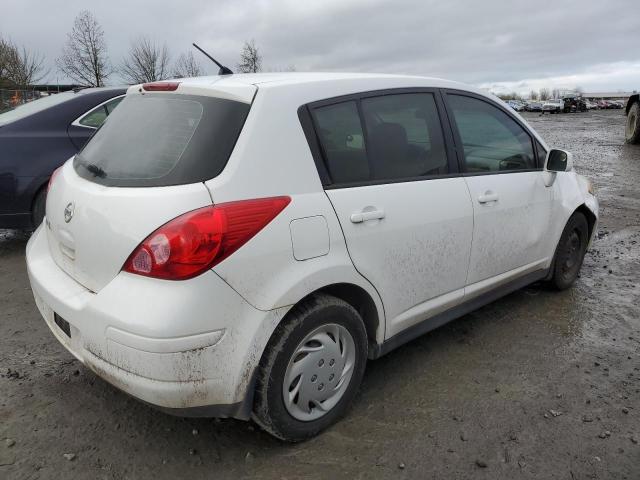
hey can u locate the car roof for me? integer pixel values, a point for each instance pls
(277, 79)
(310, 86)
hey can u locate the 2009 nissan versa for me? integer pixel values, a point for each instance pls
(240, 245)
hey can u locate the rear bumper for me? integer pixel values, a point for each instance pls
(188, 347)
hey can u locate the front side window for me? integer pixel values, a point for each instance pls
(542, 154)
(98, 115)
(401, 139)
(492, 140)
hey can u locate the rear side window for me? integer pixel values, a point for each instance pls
(342, 140)
(98, 115)
(401, 138)
(163, 139)
(492, 140)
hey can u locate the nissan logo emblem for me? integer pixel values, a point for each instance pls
(68, 212)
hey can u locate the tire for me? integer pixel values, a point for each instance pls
(632, 132)
(288, 419)
(39, 207)
(570, 252)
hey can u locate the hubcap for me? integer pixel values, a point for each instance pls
(319, 372)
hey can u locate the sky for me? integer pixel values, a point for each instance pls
(501, 45)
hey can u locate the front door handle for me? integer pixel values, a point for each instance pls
(488, 197)
(368, 215)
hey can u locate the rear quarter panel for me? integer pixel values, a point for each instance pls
(272, 158)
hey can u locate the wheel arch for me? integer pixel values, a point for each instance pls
(362, 301)
(590, 216)
(36, 192)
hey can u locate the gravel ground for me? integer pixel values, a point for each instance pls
(539, 384)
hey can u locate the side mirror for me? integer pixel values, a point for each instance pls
(558, 161)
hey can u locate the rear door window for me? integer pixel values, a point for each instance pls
(404, 136)
(401, 138)
(163, 139)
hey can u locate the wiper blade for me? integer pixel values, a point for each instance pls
(94, 170)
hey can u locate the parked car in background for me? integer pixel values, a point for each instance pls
(555, 105)
(36, 138)
(616, 104)
(182, 267)
(574, 104)
(516, 105)
(632, 110)
(534, 106)
(603, 104)
(591, 105)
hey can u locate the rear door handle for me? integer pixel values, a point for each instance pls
(488, 197)
(368, 215)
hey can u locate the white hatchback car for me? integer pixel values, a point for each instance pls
(240, 245)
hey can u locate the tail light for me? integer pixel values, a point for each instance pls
(196, 241)
(160, 86)
(52, 178)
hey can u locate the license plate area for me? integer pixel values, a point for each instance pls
(62, 324)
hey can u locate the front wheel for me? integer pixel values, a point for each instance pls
(632, 132)
(311, 369)
(570, 252)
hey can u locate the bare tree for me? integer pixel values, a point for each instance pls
(186, 66)
(544, 94)
(533, 95)
(250, 58)
(555, 93)
(22, 67)
(84, 57)
(5, 51)
(147, 62)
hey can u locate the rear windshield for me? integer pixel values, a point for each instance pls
(159, 139)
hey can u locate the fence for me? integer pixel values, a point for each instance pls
(12, 98)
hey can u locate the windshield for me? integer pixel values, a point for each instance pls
(162, 139)
(26, 109)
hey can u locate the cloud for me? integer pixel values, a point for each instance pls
(513, 44)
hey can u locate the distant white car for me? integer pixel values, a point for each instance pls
(240, 245)
(555, 105)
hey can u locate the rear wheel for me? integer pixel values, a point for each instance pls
(39, 206)
(570, 252)
(632, 132)
(311, 369)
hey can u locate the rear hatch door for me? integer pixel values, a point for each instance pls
(145, 166)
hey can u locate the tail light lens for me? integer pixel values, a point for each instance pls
(196, 241)
(160, 86)
(52, 178)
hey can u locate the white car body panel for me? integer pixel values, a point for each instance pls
(418, 251)
(108, 223)
(512, 230)
(196, 343)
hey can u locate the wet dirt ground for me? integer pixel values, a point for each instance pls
(539, 384)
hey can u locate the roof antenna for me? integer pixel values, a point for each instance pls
(223, 70)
